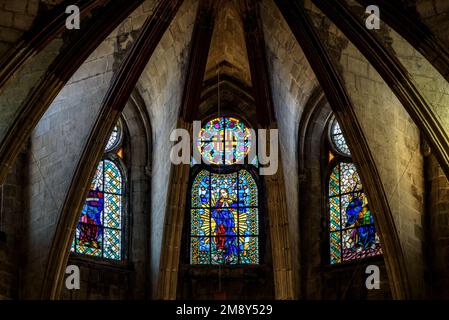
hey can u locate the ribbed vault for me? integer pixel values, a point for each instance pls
(61, 93)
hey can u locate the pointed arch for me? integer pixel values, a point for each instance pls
(101, 228)
(349, 222)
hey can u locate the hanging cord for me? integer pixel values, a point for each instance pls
(219, 168)
(218, 90)
(219, 114)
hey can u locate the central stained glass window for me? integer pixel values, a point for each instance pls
(224, 218)
(99, 230)
(224, 140)
(352, 233)
(224, 210)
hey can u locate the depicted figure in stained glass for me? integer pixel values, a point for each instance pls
(224, 227)
(91, 231)
(360, 217)
(224, 219)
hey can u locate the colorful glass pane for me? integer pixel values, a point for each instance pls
(112, 177)
(245, 186)
(97, 182)
(112, 244)
(249, 248)
(223, 190)
(334, 182)
(224, 141)
(224, 219)
(99, 230)
(339, 140)
(224, 250)
(200, 223)
(200, 250)
(334, 219)
(114, 139)
(351, 224)
(113, 209)
(90, 226)
(248, 221)
(349, 178)
(201, 190)
(335, 247)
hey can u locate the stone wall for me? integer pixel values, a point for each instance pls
(40, 65)
(431, 84)
(435, 15)
(101, 281)
(16, 16)
(17, 90)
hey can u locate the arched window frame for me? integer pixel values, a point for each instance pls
(225, 169)
(117, 154)
(333, 156)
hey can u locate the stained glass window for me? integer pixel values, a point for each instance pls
(224, 214)
(99, 230)
(224, 140)
(114, 138)
(352, 234)
(224, 218)
(338, 139)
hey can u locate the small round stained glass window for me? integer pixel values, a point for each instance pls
(114, 138)
(224, 140)
(338, 140)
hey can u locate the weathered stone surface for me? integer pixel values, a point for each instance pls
(292, 82)
(16, 16)
(228, 44)
(161, 86)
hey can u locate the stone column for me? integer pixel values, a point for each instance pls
(437, 236)
(174, 219)
(281, 241)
